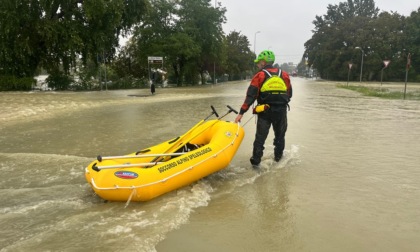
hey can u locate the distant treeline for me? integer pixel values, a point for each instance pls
(354, 29)
(76, 43)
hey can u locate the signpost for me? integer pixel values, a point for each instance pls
(153, 60)
(386, 63)
(348, 75)
(406, 72)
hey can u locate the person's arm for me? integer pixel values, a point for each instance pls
(251, 94)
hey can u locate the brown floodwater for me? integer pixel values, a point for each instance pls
(349, 179)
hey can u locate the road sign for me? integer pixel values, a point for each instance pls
(350, 65)
(155, 60)
(386, 63)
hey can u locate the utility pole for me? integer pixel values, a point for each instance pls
(214, 62)
(361, 67)
(255, 39)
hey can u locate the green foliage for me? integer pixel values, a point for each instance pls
(239, 56)
(12, 83)
(355, 28)
(188, 35)
(203, 23)
(59, 81)
(59, 36)
(87, 75)
(52, 34)
(413, 44)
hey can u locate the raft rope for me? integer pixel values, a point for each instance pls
(243, 125)
(129, 198)
(173, 175)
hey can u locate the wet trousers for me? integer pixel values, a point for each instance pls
(276, 116)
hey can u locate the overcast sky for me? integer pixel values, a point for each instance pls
(286, 25)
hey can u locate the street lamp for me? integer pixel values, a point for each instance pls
(255, 40)
(361, 67)
(214, 62)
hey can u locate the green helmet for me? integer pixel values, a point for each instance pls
(266, 55)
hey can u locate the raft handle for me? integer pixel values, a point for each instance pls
(232, 110)
(95, 168)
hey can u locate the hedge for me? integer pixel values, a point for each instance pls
(11, 83)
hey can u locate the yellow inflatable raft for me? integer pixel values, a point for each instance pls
(206, 148)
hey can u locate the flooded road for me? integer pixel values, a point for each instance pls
(349, 179)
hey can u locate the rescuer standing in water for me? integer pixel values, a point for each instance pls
(272, 89)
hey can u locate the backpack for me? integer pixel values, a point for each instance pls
(274, 84)
(274, 90)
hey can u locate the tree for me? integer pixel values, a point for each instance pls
(239, 56)
(52, 34)
(56, 35)
(187, 33)
(413, 44)
(352, 24)
(203, 23)
(150, 37)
